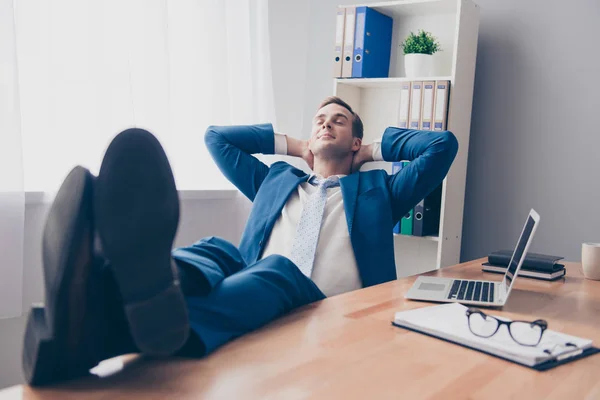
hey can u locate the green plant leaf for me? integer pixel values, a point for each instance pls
(421, 43)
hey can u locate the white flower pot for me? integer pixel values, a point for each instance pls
(418, 65)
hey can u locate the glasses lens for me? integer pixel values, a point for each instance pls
(526, 333)
(482, 325)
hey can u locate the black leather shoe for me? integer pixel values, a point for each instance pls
(59, 340)
(137, 213)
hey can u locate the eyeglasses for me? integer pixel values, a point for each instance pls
(525, 333)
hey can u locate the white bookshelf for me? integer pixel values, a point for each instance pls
(389, 83)
(455, 23)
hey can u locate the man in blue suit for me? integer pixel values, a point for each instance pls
(114, 286)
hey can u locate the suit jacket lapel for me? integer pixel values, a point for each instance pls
(349, 186)
(284, 184)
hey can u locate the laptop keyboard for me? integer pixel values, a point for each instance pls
(472, 290)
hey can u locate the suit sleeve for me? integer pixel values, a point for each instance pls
(430, 153)
(232, 147)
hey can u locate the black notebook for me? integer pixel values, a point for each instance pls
(532, 261)
(526, 273)
(535, 265)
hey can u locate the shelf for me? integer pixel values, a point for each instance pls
(386, 82)
(455, 24)
(408, 8)
(411, 237)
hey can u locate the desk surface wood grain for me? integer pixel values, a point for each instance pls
(346, 347)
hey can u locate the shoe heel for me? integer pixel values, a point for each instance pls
(40, 363)
(152, 335)
(137, 213)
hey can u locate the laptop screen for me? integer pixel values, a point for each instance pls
(518, 253)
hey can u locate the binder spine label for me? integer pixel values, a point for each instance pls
(404, 106)
(339, 32)
(441, 104)
(415, 107)
(359, 43)
(348, 52)
(359, 38)
(339, 42)
(348, 43)
(427, 113)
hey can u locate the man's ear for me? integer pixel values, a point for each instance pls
(357, 142)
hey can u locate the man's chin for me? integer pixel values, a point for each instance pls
(329, 150)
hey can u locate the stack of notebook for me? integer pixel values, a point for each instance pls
(538, 266)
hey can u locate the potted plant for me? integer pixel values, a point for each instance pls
(418, 51)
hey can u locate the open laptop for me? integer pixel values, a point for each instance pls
(481, 293)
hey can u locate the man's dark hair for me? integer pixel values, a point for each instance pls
(357, 125)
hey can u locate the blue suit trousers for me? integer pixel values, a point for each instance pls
(227, 298)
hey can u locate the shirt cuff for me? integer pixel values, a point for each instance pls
(376, 150)
(280, 144)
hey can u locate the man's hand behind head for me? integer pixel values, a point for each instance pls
(307, 155)
(363, 155)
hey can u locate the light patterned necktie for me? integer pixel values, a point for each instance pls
(309, 226)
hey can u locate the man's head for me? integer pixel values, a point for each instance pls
(337, 131)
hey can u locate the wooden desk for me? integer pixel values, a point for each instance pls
(346, 347)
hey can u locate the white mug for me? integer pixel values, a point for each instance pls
(590, 260)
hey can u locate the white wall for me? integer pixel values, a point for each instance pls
(532, 82)
(289, 48)
(319, 81)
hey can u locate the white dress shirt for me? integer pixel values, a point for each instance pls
(335, 270)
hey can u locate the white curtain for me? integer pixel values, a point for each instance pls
(11, 171)
(90, 69)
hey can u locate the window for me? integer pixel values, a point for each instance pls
(88, 70)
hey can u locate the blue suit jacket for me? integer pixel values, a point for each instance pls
(374, 201)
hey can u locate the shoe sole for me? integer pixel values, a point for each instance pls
(53, 334)
(137, 213)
